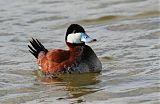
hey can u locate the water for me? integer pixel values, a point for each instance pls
(128, 46)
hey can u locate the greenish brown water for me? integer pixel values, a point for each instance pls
(128, 46)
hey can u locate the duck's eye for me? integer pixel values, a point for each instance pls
(74, 31)
(85, 37)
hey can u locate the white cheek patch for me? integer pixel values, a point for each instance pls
(74, 38)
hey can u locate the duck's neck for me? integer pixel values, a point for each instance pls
(76, 51)
(72, 45)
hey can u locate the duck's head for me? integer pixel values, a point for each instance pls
(76, 35)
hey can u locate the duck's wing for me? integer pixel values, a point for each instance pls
(36, 47)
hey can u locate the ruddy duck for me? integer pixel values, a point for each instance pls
(80, 58)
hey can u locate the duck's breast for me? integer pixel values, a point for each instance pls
(90, 61)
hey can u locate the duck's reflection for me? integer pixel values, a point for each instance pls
(75, 84)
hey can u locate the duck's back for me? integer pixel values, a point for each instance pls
(58, 55)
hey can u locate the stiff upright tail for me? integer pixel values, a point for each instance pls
(36, 48)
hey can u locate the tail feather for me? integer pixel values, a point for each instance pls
(36, 48)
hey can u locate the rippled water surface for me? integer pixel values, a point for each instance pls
(128, 46)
